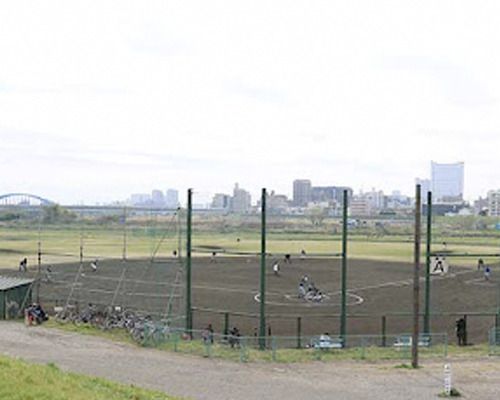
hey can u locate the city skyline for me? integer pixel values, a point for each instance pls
(202, 95)
(157, 196)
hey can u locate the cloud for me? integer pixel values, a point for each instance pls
(460, 85)
(260, 94)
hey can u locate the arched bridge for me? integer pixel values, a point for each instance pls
(23, 199)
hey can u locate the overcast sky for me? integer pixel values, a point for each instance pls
(102, 99)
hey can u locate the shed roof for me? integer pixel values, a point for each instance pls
(9, 282)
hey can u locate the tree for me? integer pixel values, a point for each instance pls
(55, 213)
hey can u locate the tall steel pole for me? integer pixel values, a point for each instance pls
(416, 279)
(427, 323)
(124, 254)
(39, 274)
(343, 315)
(262, 326)
(189, 317)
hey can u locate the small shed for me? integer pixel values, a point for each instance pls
(15, 294)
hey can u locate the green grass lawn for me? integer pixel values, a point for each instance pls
(62, 244)
(20, 380)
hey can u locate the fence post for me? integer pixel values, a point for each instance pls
(446, 345)
(273, 347)
(299, 332)
(384, 331)
(226, 324)
(465, 330)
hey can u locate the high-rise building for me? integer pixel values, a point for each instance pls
(140, 199)
(172, 198)
(494, 203)
(276, 203)
(447, 182)
(157, 198)
(302, 193)
(241, 201)
(330, 194)
(221, 201)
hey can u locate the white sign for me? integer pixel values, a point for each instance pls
(447, 379)
(439, 266)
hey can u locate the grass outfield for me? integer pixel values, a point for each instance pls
(62, 245)
(20, 380)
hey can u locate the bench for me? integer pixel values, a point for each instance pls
(325, 343)
(405, 341)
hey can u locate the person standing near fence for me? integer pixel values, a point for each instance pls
(460, 330)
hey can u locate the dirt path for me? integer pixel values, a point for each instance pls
(200, 378)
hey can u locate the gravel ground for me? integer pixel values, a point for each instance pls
(200, 378)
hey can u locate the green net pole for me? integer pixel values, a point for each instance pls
(189, 319)
(416, 279)
(427, 324)
(226, 324)
(497, 316)
(262, 330)
(384, 330)
(299, 332)
(343, 316)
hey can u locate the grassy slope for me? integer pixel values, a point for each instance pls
(20, 380)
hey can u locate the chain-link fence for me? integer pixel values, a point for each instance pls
(235, 347)
(494, 341)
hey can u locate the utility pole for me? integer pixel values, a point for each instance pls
(427, 323)
(343, 315)
(416, 281)
(262, 326)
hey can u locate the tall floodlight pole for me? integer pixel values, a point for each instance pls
(343, 314)
(262, 326)
(189, 317)
(416, 282)
(428, 242)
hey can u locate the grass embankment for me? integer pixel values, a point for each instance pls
(20, 380)
(284, 355)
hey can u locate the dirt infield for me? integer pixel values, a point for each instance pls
(374, 289)
(231, 284)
